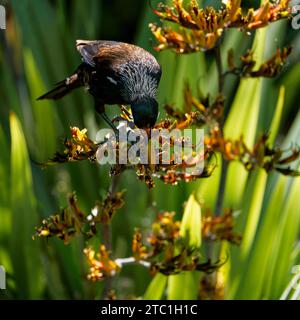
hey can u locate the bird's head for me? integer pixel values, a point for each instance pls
(145, 113)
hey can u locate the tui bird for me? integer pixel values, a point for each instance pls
(115, 73)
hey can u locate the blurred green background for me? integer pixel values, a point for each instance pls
(37, 50)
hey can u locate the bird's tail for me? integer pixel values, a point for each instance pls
(63, 88)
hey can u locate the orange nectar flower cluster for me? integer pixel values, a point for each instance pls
(220, 227)
(100, 265)
(260, 156)
(269, 69)
(65, 224)
(196, 113)
(71, 221)
(165, 252)
(200, 29)
(80, 148)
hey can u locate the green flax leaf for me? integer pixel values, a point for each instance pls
(156, 287)
(25, 252)
(190, 228)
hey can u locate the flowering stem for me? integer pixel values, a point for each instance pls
(224, 168)
(107, 236)
(221, 191)
(219, 68)
(106, 228)
(222, 185)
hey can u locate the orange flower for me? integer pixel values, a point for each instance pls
(202, 28)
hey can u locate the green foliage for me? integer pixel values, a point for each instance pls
(156, 288)
(25, 255)
(191, 223)
(185, 285)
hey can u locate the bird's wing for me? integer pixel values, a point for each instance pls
(110, 55)
(93, 51)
